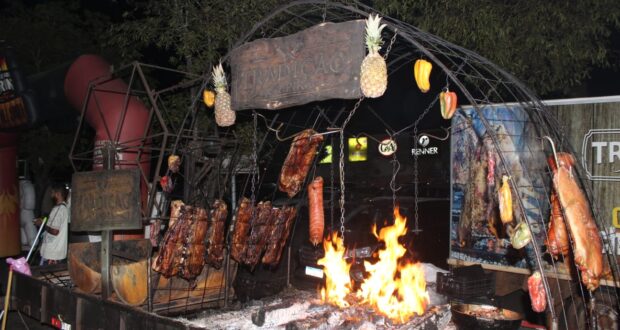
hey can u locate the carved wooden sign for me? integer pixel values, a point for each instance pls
(319, 63)
(106, 200)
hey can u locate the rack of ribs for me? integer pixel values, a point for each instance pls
(279, 235)
(215, 236)
(258, 236)
(298, 161)
(242, 229)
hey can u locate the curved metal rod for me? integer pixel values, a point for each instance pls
(445, 138)
(555, 154)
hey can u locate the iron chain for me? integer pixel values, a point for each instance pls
(254, 156)
(341, 158)
(341, 164)
(415, 163)
(389, 48)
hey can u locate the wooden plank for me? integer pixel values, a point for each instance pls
(319, 63)
(106, 200)
(524, 271)
(577, 121)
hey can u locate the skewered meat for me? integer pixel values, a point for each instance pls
(194, 262)
(474, 208)
(279, 234)
(199, 226)
(175, 211)
(315, 207)
(242, 229)
(168, 258)
(557, 237)
(586, 240)
(290, 213)
(276, 227)
(182, 249)
(505, 201)
(215, 237)
(537, 292)
(298, 161)
(154, 229)
(258, 237)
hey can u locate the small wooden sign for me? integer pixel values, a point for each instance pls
(319, 63)
(106, 200)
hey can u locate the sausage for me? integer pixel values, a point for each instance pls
(315, 207)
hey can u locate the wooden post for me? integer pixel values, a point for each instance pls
(109, 156)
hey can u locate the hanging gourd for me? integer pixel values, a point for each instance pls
(174, 163)
(521, 236)
(373, 73)
(422, 71)
(166, 184)
(208, 97)
(224, 115)
(505, 201)
(447, 102)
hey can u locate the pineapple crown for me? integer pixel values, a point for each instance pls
(373, 33)
(219, 77)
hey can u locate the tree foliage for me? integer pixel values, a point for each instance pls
(50, 33)
(550, 45)
(193, 35)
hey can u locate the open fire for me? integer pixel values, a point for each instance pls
(394, 287)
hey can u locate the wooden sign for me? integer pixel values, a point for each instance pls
(106, 200)
(319, 63)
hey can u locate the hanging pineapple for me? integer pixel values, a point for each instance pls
(224, 115)
(373, 76)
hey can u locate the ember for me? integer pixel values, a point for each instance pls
(395, 288)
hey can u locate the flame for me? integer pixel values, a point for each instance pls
(395, 288)
(337, 279)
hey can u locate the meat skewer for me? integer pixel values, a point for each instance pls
(586, 240)
(215, 236)
(242, 229)
(315, 207)
(276, 227)
(258, 237)
(474, 208)
(290, 213)
(298, 161)
(557, 236)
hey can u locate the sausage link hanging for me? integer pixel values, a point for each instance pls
(315, 207)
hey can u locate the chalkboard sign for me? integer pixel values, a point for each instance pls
(106, 200)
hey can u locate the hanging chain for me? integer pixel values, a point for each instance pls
(341, 163)
(341, 158)
(254, 156)
(389, 48)
(393, 187)
(415, 164)
(331, 193)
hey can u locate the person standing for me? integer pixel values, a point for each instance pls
(54, 244)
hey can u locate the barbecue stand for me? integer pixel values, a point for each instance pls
(478, 82)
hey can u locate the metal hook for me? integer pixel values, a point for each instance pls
(555, 154)
(330, 130)
(447, 130)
